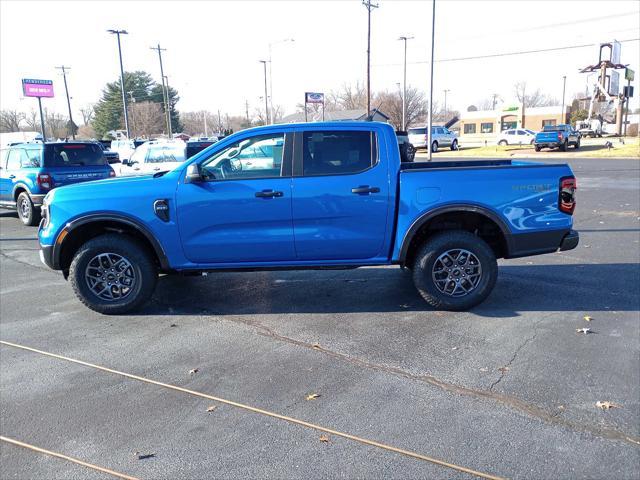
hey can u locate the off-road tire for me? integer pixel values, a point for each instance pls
(537, 148)
(27, 212)
(142, 263)
(437, 245)
(563, 147)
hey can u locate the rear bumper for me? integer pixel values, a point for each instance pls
(538, 243)
(547, 145)
(570, 241)
(37, 199)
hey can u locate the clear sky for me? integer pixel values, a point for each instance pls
(214, 47)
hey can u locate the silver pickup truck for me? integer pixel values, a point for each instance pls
(440, 137)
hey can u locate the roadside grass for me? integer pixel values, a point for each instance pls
(590, 149)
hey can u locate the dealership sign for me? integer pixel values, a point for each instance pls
(311, 97)
(37, 88)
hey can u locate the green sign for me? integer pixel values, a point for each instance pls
(629, 74)
(510, 109)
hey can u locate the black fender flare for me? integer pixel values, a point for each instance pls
(115, 217)
(462, 207)
(20, 186)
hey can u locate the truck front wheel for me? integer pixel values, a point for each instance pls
(455, 270)
(113, 274)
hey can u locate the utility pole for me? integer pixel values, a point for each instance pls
(430, 126)
(369, 5)
(271, 74)
(165, 94)
(564, 85)
(266, 98)
(166, 80)
(66, 90)
(445, 103)
(219, 122)
(206, 132)
(133, 112)
(124, 95)
(404, 89)
(246, 108)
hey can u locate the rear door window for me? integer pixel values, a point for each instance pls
(15, 158)
(417, 131)
(338, 152)
(74, 155)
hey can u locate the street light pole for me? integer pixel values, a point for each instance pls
(404, 88)
(66, 90)
(564, 84)
(124, 95)
(429, 127)
(369, 5)
(271, 73)
(445, 103)
(266, 98)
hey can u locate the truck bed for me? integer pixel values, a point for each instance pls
(455, 164)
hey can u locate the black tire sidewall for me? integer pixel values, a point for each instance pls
(440, 243)
(454, 145)
(434, 147)
(143, 265)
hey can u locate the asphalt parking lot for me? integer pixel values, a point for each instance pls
(508, 389)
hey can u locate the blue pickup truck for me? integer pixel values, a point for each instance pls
(307, 196)
(28, 171)
(557, 136)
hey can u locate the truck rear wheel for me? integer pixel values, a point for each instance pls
(563, 147)
(455, 270)
(113, 274)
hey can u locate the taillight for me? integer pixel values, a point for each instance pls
(567, 200)
(45, 181)
(112, 173)
(559, 135)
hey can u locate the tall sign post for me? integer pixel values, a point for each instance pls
(629, 76)
(313, 97)
(39, 89)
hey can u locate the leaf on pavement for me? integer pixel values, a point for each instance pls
(324, 438)
(586, 331)
(312, 396)
(606, 405)
(142, 456)
(503, 369)
(588, 318)
(316, 346)
(193, 370)
(211, 408)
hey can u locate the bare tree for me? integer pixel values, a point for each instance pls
(10, 120)
(349, 97)
(146, 119)
(32, 119)
(532, 98)
(55, 124)
(391, 104)
(87, 112)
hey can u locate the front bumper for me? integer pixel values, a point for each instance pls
(37, 199)
(46, 257)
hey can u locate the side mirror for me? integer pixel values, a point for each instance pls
(194, 174)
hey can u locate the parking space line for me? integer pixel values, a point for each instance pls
(267, 413)
(65, 457)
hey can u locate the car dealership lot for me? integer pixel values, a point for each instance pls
(507, 389)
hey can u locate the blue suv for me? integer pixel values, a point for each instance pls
(28, 171)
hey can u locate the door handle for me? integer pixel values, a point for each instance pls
(12, 176)
(365, 189)
(269, 194)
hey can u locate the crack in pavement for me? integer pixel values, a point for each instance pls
(507, 400)
(505, 368)
(21, 262)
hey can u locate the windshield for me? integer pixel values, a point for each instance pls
(417, 131)
(74, 155)
(166, 153)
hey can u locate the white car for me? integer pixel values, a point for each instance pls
(516, 136)
(154, 156)
(125, 148)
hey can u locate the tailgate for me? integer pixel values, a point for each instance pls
(547, 137)
(67, 175)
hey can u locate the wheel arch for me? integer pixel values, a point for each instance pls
(18, 188)
(472, 218)
(79, 230)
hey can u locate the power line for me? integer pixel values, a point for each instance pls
(507, 54)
